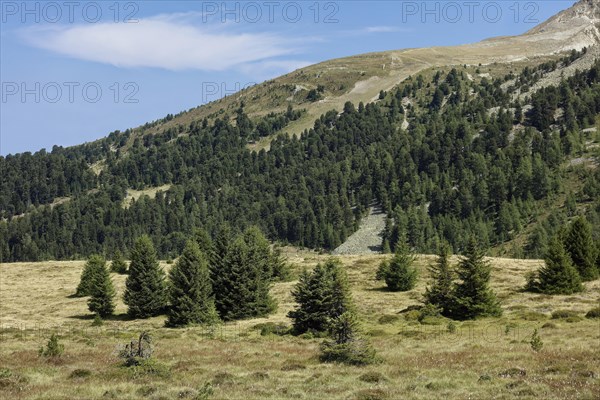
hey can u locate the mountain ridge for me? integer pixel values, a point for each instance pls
(365, 75)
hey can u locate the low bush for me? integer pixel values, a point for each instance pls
(593, 313)
(564, 314)
(372, 377)
(53, 348)
(80, 373)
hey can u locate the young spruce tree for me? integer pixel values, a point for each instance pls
(91, 268)
(399, 274)
(558, 275)
(439, 293)
(473, 296)
(118, 264)
(145, 287)
(322, 296)
(581, 248)
(102, 293)
(190, 290)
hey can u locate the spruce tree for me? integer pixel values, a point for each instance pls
(91, 268)
(118, 264)
(473, 297)
(102, 293)
(145, 287)
(205, 244)
(190, 290)
(558, 275)
(439, 293)
(581, 248)
(322, 296)
(400, 275)
(347, 344)
(241, 284)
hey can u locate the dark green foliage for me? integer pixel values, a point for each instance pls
(118, 264)
(440, 292)
(281, 269)
(472, 295)
(382, 270)
(580, 246)
(322, 296)
(190, 290)
(347, 344)
(536, 342)
(399, 275)
(97, 321)
(102, 293)
(53, 348)
(558, 275)
(593, 313)
(242, 283)
(145, 287)
(94, 264)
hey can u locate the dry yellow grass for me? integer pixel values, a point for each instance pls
(151, 192)
(484, 359)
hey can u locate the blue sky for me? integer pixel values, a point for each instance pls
(75, 71)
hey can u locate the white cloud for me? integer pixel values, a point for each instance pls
(272, 68)
(168, 41)
(382, 29)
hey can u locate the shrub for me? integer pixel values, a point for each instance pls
(137, 351)
(10, 380)
(428, 311)
(80, 373)
(97, 320)
(370, 394)
(593, 313)
(272, 328)
(150, 367)
(451, 327)
(536, 342)
(347, 346)
(388, 319)
(564, 314)
(53, 348)
(372, 377)
(292, 366)
(205, 392)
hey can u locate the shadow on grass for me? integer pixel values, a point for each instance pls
(116, 317)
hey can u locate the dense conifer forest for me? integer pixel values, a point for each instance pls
(446, 155)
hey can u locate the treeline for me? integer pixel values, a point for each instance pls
(461, 168)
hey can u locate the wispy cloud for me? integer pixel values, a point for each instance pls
(272, 68)
(169, 41)
(381, 29)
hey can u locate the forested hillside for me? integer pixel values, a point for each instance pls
(448, 153)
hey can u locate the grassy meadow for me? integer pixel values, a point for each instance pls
(483, 359)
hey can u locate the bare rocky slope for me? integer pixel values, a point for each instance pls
(368, 238)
